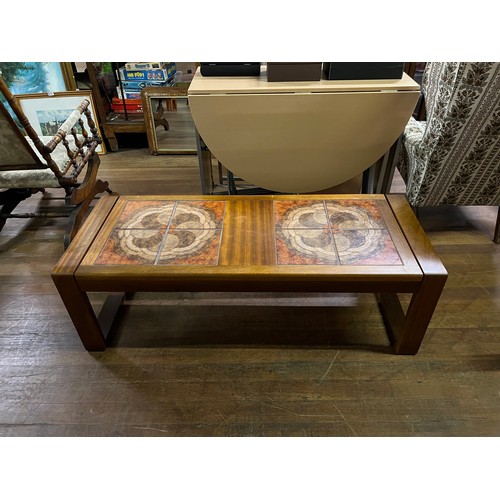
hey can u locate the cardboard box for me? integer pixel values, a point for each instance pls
(293, 71)
(363, 70)
(128, 95)
(131, 66)
(162, 74)
(137, 85)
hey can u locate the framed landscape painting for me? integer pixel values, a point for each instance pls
(47, 112)
(38, 77)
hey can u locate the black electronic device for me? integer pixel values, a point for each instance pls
(363, 70)
(293, 71)
(230, 68)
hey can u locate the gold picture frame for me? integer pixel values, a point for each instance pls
(68, 76)
(56, 107)
(169, 126)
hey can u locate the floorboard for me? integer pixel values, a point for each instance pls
(210, 365)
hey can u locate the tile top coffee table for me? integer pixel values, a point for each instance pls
(317, 243)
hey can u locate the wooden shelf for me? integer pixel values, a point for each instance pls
(122, 123)
(112, 123)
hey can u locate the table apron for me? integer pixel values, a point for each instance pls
(138, 285)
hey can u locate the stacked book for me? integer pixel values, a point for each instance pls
(131, 106)
(135, 76)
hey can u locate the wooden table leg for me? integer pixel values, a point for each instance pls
(76, 300)
(407, 330)
(410, 329)
(81, 312)
(419, 314)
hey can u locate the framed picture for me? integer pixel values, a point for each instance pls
(47, 112)
(38, 77)
(169, 125)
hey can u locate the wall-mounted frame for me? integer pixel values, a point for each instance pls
(169, 125)
(38, 77)
(47, 112)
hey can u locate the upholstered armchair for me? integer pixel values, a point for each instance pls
(30, 163)
(453, 157)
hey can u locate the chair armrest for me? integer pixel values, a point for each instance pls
(67, 126)
(414, 131)
(78, 156)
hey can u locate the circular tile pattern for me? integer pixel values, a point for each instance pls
(345, 232)
(190, 232)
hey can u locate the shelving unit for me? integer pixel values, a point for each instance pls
(112, 123)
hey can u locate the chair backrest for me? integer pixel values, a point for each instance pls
(66, 153)
(456, 160)
(15, 151)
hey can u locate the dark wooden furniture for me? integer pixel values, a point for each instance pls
(30, 163)
(321, 243)
(112, 123)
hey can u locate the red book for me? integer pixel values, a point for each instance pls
(121, 109)
(128, 102)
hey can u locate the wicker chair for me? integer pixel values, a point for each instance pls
(453, 157)
(31, 163)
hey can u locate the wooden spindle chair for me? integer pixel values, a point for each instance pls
(30, 163)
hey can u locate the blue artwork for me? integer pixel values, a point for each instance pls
(34, 77)
(31, 78)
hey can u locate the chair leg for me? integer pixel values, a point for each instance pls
(496, 236)
(368, 180)
(231, 185)
(388, 167)
(219, 171)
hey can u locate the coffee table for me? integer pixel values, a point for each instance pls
(272, 243)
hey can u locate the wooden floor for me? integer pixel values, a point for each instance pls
(181, 134)
(209, 365)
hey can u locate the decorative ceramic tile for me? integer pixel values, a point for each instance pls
(305, 247)
(131, 246)
(347, 232)
(146, 214)
(361, 247)
(354, 214)
(198, 215)
(191, 246)
(340, 232)
(301, 214)
(166, 232)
